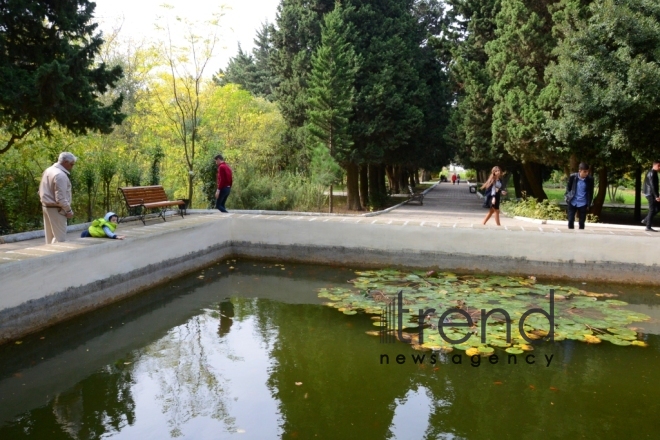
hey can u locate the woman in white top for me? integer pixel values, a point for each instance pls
(493, 187)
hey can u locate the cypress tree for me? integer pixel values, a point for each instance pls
(330, 96)
(296, 37)
(517, 59)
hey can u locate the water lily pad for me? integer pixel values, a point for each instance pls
(640, 343)
(350, 312)
(514, 350)
(617, 341)
(486, 350)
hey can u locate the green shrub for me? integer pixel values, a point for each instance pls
(283, 191)
(545, 210)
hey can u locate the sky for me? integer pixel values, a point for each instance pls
(240, 22)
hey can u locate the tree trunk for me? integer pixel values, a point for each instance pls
(381, 180)
(573, 165)
(389, 170)
(416, 174)
(515, 176)
(352, 188)
(638, 194)
(374, 187)
(364, 185)
(190, 190)
(403, 180)
(330, 201)
(533, 174)
(602, 190)
(411, 179)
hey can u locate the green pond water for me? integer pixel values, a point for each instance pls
(251, 353)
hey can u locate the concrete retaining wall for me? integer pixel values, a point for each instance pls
(39, 292)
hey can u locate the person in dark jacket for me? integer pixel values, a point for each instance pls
(579, 195)
(224, 180)
(652, 194)
(492, 194)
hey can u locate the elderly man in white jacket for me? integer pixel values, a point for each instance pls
(55, 194)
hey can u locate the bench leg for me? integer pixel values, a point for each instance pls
(161, 214)
(142, 215)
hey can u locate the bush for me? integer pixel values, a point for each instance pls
(284, 191)
(544, 210)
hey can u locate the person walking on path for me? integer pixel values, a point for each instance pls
(55, 196)
(579, 195)
(224, 179)
(652, 194)
(104, 227)
(492, 195)
(453, 179)
(458, 179)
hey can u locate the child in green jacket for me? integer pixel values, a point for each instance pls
(104, 227)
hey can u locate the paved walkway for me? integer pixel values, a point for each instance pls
(445, 206)
(454, 205)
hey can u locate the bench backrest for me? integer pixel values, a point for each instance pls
(137, 195)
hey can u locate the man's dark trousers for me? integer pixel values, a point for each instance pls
(582, 216)
(222, 198)
(653, 210)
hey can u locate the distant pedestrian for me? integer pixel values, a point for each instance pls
(493, 192)
(652, 194)
(453, 179)
(579, 195)
(458, 179)
(104, 227)
(224, 180)
(55, 195)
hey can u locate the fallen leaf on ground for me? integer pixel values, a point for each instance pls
(298, 383)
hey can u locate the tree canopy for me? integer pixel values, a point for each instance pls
(49, 70)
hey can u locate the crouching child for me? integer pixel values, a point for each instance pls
(104, 227)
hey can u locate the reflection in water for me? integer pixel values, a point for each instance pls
(202, 366)
(190, 385)
(416, 405)
(99, 405)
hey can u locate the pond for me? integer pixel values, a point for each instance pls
(247, 350)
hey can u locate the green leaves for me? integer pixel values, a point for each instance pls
(579, 315)
(49, 76)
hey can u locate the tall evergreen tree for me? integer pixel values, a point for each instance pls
(517, 61)
(330, 94)
(472, 26)
(296, 37)
(252, 71)
(48, 70)
(240, 70)
(265, 80)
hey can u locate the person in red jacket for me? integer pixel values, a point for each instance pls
(224, 183)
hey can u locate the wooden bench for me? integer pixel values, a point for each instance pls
(415, 196)
(142, 199)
